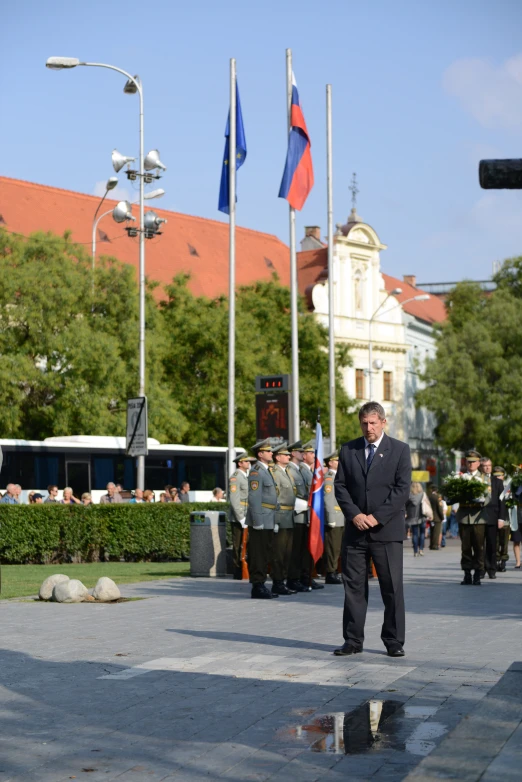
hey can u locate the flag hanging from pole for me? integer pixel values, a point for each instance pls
(316, 501)
(241, 153)
(298, 176)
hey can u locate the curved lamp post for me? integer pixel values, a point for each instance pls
(132, 86)
(394, 292)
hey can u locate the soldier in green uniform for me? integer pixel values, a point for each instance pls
(284, 521)
(262, 505)
(301, 562)
(333, 522)
(238, 498)
(300, 536)
(504, 530)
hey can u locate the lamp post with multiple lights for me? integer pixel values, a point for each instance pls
(149, 226)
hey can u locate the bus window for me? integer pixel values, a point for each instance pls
(103, 471)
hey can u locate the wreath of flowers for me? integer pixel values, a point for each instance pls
(514, 494)
(464, 489)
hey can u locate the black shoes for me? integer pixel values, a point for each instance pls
(502, 567)
(396, 651)
(467, 578)
(332, 578)
(296, 586)
(280, 588)
(476, 578)
(347, 649)
(260, 592)
(315, 585)
(492, 574)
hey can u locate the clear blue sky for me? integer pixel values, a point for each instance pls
(421, 91)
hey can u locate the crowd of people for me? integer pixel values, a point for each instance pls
(115, 493)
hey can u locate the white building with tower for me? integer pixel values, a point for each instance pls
(387, 324)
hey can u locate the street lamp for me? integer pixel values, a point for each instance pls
(111, 184)
(394, 292)
(132, 85)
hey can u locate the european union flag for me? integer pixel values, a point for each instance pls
(241, 152)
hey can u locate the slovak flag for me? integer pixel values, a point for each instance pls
(316, 501)
(298, 177)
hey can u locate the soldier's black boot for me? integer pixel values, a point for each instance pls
(315, 585)
(260, 592)
(280, 588)
(492, 574)
(476, 578)
(238, 575)
(467, 577)
(332, 578)
(296, 586)
(502, 567)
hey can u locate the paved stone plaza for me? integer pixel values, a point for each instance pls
(199, 682)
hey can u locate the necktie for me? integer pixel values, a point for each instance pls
(371, 454)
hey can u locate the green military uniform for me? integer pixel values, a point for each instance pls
(262, 505)
(300, 536)
(334, 525)
(471, 519)
(504, 533)
(238, 499)
(284, 521)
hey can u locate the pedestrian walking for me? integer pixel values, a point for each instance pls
(238, 498)
(262, 505)
(333, 522)
(284, 521)
(372, 486)
(415, 518)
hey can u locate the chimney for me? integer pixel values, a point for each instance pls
(314, 231)
(410, 279)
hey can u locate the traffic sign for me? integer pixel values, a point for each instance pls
(137, 426)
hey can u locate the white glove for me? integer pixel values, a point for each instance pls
(258, 526)
(243, 522)
(276, 527)
(331, 524)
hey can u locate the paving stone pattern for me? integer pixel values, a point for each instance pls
(198, 682)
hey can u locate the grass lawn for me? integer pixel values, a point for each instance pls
(24, 580)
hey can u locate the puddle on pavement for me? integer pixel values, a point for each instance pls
(373, 726)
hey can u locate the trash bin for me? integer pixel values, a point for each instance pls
(208, 543)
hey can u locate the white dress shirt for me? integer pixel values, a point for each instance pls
(367, 446)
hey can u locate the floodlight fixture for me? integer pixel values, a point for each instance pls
(152, 224)
(122, 212)
(119, 160)
(152, 160)
(59, 63)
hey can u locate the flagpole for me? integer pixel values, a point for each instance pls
(331, 305)
(232, 271)
(295, 428)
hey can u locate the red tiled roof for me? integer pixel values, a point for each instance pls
(312, 267)
(189, 244)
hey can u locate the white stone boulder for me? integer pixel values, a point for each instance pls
(46, 590)
(106, 590)
(72, 591)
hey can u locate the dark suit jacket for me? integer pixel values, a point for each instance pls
(382, 491)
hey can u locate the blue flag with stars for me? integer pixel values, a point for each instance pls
(241, 153)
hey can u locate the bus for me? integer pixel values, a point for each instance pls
(87, 464)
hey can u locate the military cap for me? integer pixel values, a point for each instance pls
(334, 455)
(498, 471)
(282, 450)
(309, 446)
(263, 445)
(473, 456)
(298, 446)
(244, 457)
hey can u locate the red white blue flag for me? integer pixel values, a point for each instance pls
(316, 501)
(298, 176)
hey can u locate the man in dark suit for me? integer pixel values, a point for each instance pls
(372, 486)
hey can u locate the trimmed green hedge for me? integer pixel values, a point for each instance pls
(67, 533)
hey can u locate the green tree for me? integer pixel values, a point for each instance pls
(197, 359)
(68, 359)
(473, 384)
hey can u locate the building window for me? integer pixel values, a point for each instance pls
(359, 384)
(387, 386)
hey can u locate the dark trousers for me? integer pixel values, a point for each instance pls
(237, 537)
(435, 531)
(281, 553)
(491, 547)
(259, 553)
(300, 559)
(472, 538)
(387, 558)
(503, 543)
(333, 538)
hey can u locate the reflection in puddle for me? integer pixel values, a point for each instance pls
(372, 726)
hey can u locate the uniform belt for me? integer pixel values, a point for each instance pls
(266, 505)
(336, 507)
(243, 502)
(286, 507)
